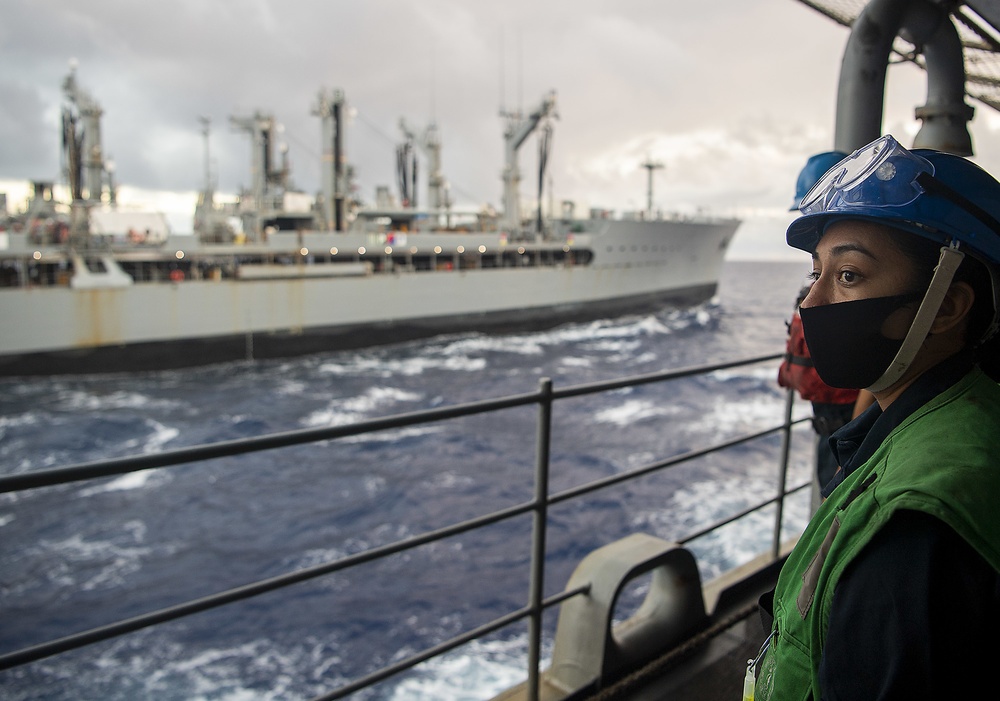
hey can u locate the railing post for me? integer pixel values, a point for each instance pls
(540, 522)
(786, 442)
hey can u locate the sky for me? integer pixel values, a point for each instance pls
(730, 96)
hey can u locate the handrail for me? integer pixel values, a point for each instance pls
(544, 398)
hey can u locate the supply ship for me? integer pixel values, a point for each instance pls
(89, 287)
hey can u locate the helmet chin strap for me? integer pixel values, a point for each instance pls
(948, 263)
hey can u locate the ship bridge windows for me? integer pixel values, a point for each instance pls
(416, 259)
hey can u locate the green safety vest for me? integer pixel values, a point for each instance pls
(942, 460)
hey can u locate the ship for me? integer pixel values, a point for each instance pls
(92, 288)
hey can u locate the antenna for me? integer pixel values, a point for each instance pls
(206, 130)
(650, 166)
(433, 88)
(503, 87)
(520, 73)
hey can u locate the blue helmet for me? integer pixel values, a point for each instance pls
(812, 171)
(939, 196)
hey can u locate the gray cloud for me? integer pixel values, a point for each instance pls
(732, 95)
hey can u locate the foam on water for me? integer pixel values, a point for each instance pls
(87, 564)
(630, 412)
(81, 400)
(470, 346)
(133, 480)
(575, 362)
(315, 557)
(474, 672)
(383, 365)
(214, 674)
(26, 419)
(698, 504)
(618, 335)
(159, 437)
(347, 410)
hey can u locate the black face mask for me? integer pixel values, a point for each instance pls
(846, 342)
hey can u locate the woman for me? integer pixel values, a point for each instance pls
(893, 590)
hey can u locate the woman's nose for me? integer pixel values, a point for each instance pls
(814, 298)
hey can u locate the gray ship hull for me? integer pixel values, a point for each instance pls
(631, 265)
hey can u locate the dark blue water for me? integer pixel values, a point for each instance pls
(81, 555)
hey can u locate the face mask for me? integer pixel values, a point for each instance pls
(848, 341)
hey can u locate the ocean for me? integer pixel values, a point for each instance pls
(85, 554)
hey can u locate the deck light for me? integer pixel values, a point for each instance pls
(482, 249)
(460, 249)
(37, 255)
(437, 249)
(388, 250)
(179, 255)
(361, 250)
(303, 251)
(334, 251)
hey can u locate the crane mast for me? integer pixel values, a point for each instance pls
(518, 129)
(430, 143)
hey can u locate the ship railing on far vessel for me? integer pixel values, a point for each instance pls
(285, 255)
(584, 659)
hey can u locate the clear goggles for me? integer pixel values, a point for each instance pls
(881, 174)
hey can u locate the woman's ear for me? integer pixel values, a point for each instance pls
(955, 307)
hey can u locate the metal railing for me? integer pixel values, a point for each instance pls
(544, 398)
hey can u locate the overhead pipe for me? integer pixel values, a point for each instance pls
(861, 91)
(945, 116)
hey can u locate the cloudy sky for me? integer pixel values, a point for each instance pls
(730, 95)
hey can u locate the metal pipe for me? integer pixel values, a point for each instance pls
(945, 115)
(861, 90)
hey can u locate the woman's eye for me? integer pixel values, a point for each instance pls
(812, 276)
(848, 277)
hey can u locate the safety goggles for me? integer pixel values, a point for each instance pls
(883, 174)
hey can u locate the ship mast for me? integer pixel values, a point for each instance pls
(329, 108)
(206, 131)
(430, 143)
(83, 154)
(205, 206)
(83, 109)
(406, 170)
(269, 183)
(650, 166)
(518, 129)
